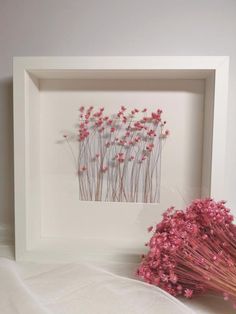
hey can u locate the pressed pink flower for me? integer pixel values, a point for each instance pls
(137, 139)
(150, 228)
(83, 133)
(120, 157)
(124, 119)
(138, 126)
(149, 147)
(98, 114)
(98, 122)
(82, 169)
(151, 133)
(167, 132)
(104, 169)
(113, 130)
(119, 114)
(144, 110)
(81, 109)
(156, 116)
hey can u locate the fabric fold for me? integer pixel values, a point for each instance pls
(77, 288)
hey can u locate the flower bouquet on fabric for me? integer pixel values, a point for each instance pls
(193, 251)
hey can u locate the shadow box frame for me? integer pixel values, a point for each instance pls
(213, 69)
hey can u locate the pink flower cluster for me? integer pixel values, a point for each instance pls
(101, 122)
(97, 121)
(116, 152)
(193, 251)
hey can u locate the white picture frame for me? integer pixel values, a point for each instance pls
(30, 242)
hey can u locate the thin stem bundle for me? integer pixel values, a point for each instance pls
(193, 251)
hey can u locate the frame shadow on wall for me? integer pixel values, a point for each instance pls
(6, 161)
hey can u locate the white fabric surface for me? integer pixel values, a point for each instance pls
(27, 288)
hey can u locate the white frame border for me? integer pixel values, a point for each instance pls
(216, 115)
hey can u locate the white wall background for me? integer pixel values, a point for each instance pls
(111, 27)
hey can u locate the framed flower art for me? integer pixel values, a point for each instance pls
(103, 145)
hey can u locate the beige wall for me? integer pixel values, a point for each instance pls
(111, 27)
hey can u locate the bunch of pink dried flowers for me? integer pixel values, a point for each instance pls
(193, 251)
(118, 155)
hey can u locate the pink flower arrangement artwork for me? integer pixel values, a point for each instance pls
(193, 251)
(118, 157)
